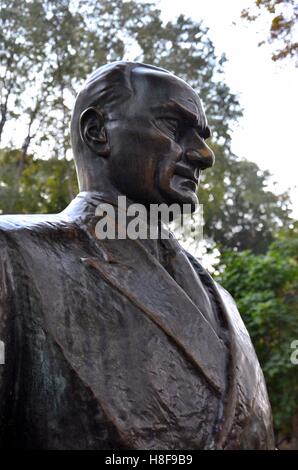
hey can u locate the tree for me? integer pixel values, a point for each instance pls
(240, 211)
(39, 185)
(283, 25)
(265, 289)
(22, 41)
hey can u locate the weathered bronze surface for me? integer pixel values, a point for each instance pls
(124, 344)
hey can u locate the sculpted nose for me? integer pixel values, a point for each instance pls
(196, 151)
(202, 157)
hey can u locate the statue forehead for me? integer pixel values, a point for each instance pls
(155, 87)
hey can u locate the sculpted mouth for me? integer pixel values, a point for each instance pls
(190, 175)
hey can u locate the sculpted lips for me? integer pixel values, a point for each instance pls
(189, 175)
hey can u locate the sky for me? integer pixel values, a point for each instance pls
(268, 91)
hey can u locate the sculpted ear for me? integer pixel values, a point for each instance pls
(93, 131)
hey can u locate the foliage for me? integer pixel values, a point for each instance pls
(283, 25)
(22, 55)
(43, 186)
(240, 211)
(265, 289)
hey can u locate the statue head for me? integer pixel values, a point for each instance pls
(141, 130)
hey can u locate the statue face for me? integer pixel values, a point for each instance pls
(157, 141)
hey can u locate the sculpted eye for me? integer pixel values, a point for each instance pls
(169, 126)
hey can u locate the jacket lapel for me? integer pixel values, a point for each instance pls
(129, 267)
(131, 270)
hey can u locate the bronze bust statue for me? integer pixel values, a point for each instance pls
(121, 343)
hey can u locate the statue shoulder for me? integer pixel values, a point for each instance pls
(19, 222)
(16, 226)
(19, 233)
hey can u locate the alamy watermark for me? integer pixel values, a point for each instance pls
(294, 355)
(136, 221)
(2, 353)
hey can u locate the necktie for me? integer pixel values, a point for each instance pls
(174, 260)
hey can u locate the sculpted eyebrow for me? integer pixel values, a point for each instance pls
(173, 106)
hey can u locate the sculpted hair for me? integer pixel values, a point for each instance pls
(105, 89)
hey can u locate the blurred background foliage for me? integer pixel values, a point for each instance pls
(47, 49)
(265, 287)
(284, 18)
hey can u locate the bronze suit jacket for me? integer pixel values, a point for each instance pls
(119, 344)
